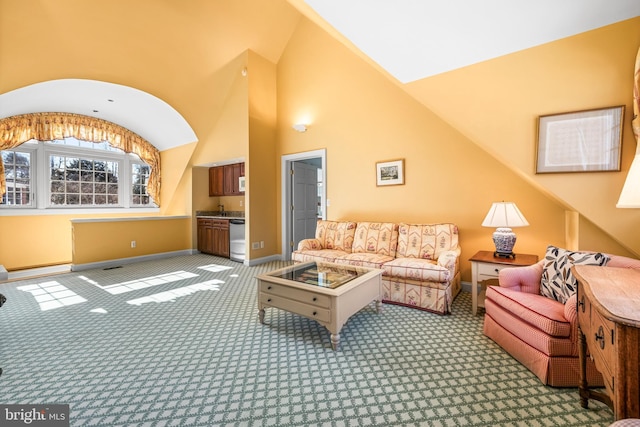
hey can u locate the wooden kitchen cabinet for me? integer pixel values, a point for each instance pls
(216, 181)
(225, 180)
(213, 236)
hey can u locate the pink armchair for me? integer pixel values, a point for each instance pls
(538, 331)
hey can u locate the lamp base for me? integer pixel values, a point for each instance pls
(509, 255)
(505, 239)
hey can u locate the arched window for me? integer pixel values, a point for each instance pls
(70, 174)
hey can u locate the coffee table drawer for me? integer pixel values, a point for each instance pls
(307, 297)
(297, 307)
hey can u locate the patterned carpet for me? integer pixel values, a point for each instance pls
(177, 342)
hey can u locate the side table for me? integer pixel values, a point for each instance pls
(484, 266)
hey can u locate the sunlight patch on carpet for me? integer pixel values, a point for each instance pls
(172, 295)
(50, 295)
(214, 268)
(145, 282)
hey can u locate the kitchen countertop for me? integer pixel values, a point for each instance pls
(220, 215)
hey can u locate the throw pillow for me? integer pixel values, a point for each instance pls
(557, 280)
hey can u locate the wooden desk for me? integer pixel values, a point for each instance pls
(608, 328)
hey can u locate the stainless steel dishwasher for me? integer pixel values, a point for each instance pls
(237, 247)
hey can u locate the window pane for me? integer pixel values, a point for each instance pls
(17, 173)
(79, 181)
(139, 181)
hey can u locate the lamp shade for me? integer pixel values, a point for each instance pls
(630, 195)
(504, 214)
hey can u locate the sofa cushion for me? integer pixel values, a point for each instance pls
(336, 235)
(557, 281)
(426, 241)
(417, 269)
(325, 255)
(543, 313)
(376, 238)
(364, 260)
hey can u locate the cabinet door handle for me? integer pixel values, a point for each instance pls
(315, 312)
(600, 337)
(269, 287)
(497, 270)
(269, 300)
(581, 303)
(315, 299)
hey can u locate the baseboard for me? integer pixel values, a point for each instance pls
(257, 261)
(131, 260)
(37, 272)
(465, 286)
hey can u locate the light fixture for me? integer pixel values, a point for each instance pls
(300, 127)
(503, 216)
(630, 195)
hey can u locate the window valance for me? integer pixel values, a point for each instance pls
(16, 130)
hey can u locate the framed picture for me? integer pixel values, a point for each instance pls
(390, 172)
(581, 141)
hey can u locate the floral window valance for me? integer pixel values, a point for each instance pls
(16, 130)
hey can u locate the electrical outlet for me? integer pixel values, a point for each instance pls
(241, 203)
(133, 244)
(262, 244)
(255, 245)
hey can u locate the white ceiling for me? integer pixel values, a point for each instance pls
(148, 116)
(414, 39)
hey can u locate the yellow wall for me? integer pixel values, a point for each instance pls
(361, 118)
(98, 241)
(262, 181)
(496, 105)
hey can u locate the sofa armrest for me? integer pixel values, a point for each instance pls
(449, 260)
(308, 244)
(522, 279)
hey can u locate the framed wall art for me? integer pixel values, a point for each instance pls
(581, 141)
(390, 172)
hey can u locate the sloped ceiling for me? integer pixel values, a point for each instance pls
(415, 39)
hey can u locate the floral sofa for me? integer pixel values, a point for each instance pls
(420, 262)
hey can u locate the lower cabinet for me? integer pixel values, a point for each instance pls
(213, 236)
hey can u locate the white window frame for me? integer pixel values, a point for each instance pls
(41, 189)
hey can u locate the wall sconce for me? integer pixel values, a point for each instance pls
(503, 216)
(300, 127)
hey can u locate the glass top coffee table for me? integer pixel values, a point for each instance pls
(327, 293)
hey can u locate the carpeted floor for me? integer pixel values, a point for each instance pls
(177, 342)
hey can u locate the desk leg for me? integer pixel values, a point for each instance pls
(583, 387)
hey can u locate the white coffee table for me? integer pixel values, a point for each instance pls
(327, 293)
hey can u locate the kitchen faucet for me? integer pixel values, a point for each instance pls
(221, 207)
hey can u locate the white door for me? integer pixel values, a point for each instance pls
(304, 201)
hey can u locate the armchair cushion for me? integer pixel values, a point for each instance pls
(545, 314)
(557, 281)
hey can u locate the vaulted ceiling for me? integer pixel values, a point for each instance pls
(408, 39)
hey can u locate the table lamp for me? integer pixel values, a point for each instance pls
(503, 216)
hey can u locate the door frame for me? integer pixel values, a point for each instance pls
(286, 190)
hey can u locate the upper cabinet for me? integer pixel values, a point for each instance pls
(225, 180)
